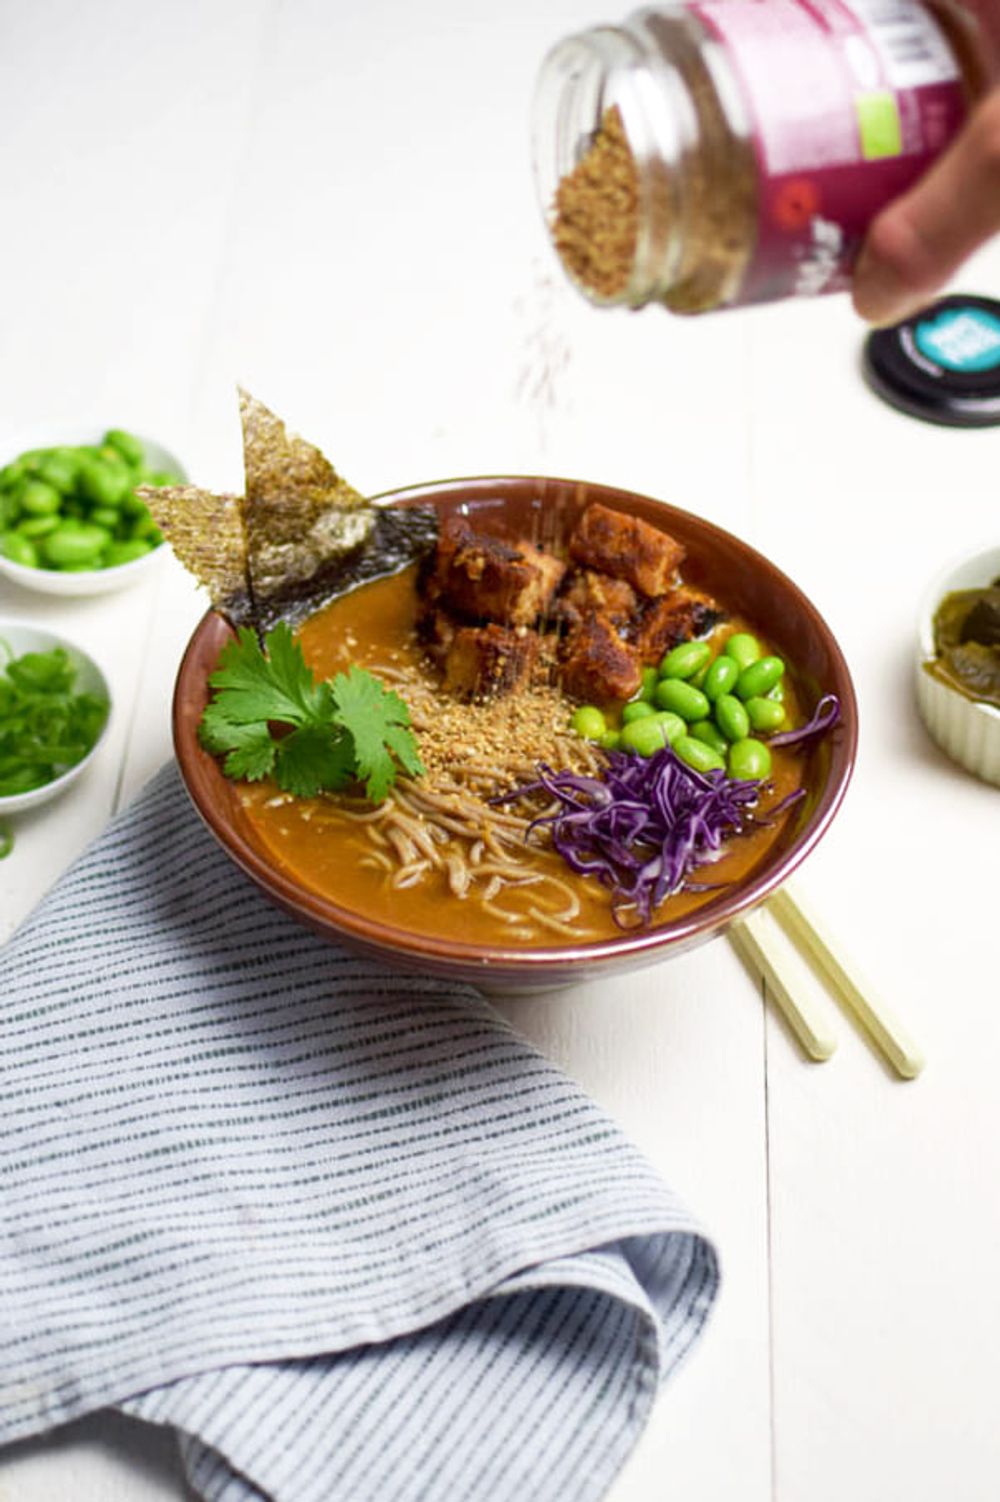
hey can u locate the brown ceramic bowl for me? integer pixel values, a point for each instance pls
(521, 506)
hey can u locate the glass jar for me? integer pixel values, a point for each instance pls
(723, 152)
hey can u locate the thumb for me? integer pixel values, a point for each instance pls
(921, 239)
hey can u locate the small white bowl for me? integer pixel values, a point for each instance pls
(98, 581)
(968, 731)
(21, 637)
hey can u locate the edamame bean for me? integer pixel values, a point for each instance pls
(646, 689)
(696, 754)
(60, 471)
(704, 730)
(19, 549)
(39, 499)
(731, 717)
(742, 648)
(721, 677)
(761, 676)
(127, 445)
(637, 709)
(610, 741)
(129, 549)
(682, 698)
(105, 516)
(587, 721)
(684, 660)
(133, 505)
(645, 736)
(103, 484)
(765, 714)
(749, 760)
(37, 526)
(672, 724)
(75, 544)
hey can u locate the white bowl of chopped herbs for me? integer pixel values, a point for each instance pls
(71, 522)
(54, 710)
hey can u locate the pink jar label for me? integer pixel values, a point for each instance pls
(848, 103)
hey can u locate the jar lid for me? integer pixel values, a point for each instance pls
(941, 364)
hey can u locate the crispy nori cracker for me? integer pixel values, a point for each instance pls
(300, 537)
(207, 533)
(300, 515)
(398, 537)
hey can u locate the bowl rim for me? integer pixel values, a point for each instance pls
(199, 769)
(934, 592)
(12, 803)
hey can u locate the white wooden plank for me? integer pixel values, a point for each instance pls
(885, 1230)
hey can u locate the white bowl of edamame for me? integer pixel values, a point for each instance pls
(70, 521)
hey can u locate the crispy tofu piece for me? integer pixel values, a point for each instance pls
(681, 615)
(626, 548)
(586, 592)
(484, 662)
(483, 578)
(597, 664)
(436, 632)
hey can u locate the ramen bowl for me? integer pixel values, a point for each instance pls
(517, 507)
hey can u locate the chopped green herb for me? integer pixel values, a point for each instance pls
(45, 728)
(330, 732)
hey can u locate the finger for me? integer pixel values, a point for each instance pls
(918, 242)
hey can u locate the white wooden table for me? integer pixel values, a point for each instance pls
(333, 204)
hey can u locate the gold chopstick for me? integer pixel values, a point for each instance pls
(754, 940)
(846, 984)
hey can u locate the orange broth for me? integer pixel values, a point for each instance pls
(313, 839)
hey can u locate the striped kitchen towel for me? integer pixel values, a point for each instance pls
(340, 1228)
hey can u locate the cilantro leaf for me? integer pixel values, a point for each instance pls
(314, 758)
(275, 686)
(331, 732)
(378, 721)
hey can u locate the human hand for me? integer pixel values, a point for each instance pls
(919, 241)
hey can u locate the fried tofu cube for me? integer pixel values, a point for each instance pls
(436, 632)
(598, 665)
(627, 548)
(484, 662)
(484, 578)
(586, 592)
(681, 615)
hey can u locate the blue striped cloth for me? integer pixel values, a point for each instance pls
(340, 1228)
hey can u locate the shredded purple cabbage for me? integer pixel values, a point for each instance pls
(825, 716)
(643, 827)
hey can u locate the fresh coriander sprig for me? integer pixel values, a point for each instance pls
(330, 732)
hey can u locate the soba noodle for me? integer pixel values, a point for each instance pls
(443, 824)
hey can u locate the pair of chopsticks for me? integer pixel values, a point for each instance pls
(755, 940)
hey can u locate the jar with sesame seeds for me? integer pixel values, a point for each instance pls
(718, 153)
